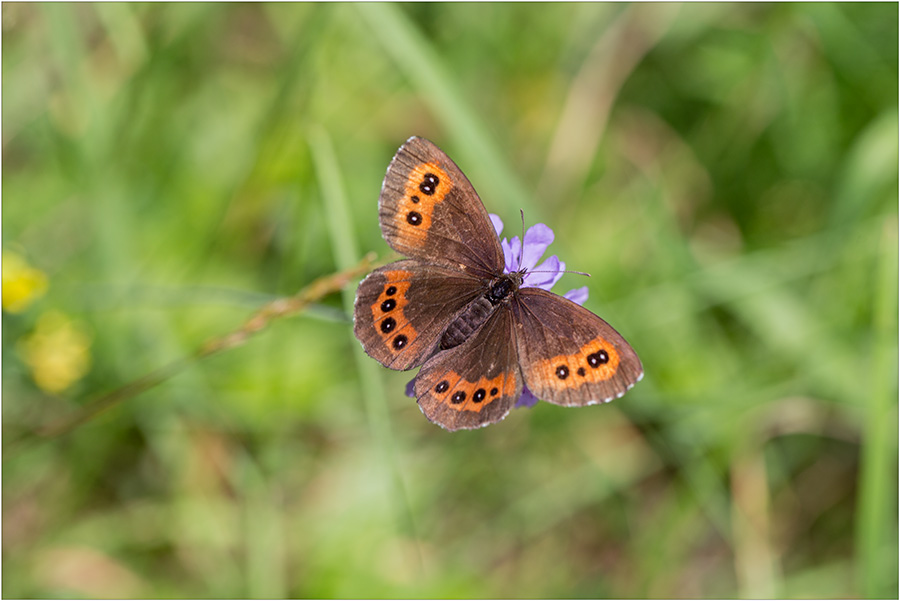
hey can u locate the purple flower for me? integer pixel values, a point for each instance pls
(536, 240)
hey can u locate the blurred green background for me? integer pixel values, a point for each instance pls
(726, 173)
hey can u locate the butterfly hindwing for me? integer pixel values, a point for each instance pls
(568, 355)
(428, 210)
(476, 383)
(401, 310)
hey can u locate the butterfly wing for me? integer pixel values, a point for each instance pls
(402, 309)
(428, 210)
(476, 383)
(568, 355)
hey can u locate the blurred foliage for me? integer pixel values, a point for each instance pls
(727, 174)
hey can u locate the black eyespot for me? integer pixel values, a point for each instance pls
(391, 290)
(562, 372)
(479, 395)
(399, 341)
(388, 325)
(388, 305)
(458, 397)
(494, 391)
(429, 184)
(413, 218)
(442, 387)
(581, 371)
(597, 359)
(414, 198)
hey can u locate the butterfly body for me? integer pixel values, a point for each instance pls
(479, 333)
(479, 310)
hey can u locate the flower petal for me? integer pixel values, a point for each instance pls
(577, 295)
(527, 399)
(537, 239)
(511, 252)
(411, 389)
(497, 222)
(546, 274)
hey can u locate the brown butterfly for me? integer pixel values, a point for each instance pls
(478, 330)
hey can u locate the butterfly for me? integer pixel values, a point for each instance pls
(479, 334)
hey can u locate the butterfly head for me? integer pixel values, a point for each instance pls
(504, 286)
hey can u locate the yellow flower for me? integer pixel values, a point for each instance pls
(58, 352)
(22, 283)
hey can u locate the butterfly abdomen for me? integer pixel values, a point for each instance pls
(478, 311)
(467, 323)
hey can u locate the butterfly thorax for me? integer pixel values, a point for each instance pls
(497, 292)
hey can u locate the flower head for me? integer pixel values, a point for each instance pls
(523, 255)
(536, 241)
(58, 352)
(22, 283)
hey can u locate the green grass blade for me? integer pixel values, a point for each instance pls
(877, 519)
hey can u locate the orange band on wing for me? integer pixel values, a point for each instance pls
(426, 186)
(455, 392)
(596, 361)
(387, 312)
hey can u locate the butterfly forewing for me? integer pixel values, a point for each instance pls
(428, 210)
(401, 310)
(568, 355)
(476, 383)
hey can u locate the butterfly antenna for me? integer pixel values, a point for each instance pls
(562, 271)
(522, 246)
